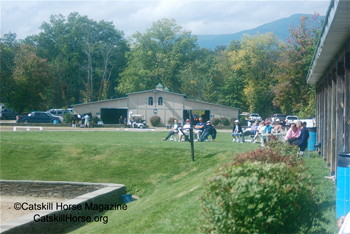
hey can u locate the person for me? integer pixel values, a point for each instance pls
(121, 120)
(174, 130)
(261, 130)
(236, 131)
(125, 121)
(303, 138)
(185, 129)
(268, 128)
(292, 135)
(199, 128)
(86, 118)
(278, 127)
(208, 130)
(255, 127)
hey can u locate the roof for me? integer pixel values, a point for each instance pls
(334, 35)
(108, 100)
(155, 90)
(213, 104)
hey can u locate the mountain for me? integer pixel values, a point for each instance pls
(278, 27)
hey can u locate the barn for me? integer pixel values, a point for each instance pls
(159, 101)
(330, 72)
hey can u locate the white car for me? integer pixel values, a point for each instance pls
(255, 117)
(291, 119)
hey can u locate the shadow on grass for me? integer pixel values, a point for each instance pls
(213, 154)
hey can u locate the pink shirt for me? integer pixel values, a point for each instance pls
(292, 134)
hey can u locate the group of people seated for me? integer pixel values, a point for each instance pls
(201, 130)
(296, 135)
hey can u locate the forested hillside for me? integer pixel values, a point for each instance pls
(75, 59)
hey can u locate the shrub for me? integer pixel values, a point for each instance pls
(215, 121)
(67, 118)
(224, 121)
(269, 156)
(242, 120)
(257, 198)
(155, 120)
(171, 120)
(95, 119)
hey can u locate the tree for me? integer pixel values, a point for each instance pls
(8, 47)
(33, 79)
(157, 56)
(292, 93)
(256, 60)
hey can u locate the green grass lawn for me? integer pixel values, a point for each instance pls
(160, 173)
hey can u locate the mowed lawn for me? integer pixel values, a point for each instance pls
(159, 172)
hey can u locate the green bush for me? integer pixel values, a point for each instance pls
(215, 121)
(171, 120)
(225, 121)
(257, 198)
(155, 120)
(67, 118)
(242, 120)
(95, 119)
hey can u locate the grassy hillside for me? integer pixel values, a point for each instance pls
(160, 173)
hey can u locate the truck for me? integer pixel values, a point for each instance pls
(38, 117)
(254, 117)
(291, 119)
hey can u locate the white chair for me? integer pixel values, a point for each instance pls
(174, 137)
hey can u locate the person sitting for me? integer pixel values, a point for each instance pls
(185, 130)
(268, 128)
(277, 128)
(174, 130)
(261, 130)
(236, 131)
(303, 138)
(199, 128)
(293, 134)
(208, 130)
(255, 127)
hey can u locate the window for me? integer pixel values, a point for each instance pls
(160, 101)
(150, 101)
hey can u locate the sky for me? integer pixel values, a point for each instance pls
(200, 17)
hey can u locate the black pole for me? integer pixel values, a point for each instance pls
(191, 137)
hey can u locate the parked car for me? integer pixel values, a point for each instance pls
(8, 113)
(60, 112)
(291, 119)
(281, 117)
(254, 117)
(37, 117)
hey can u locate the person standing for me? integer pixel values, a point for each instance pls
(86, 119)
(304, 137)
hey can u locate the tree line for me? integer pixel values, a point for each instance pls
(75, 59)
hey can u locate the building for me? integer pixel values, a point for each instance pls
(159, 101)
(330, 71)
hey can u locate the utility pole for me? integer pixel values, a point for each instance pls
(191, 137)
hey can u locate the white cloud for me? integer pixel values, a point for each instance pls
(201, 17)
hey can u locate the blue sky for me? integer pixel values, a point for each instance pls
(200, 17)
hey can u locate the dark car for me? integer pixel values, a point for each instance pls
(8, 113)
